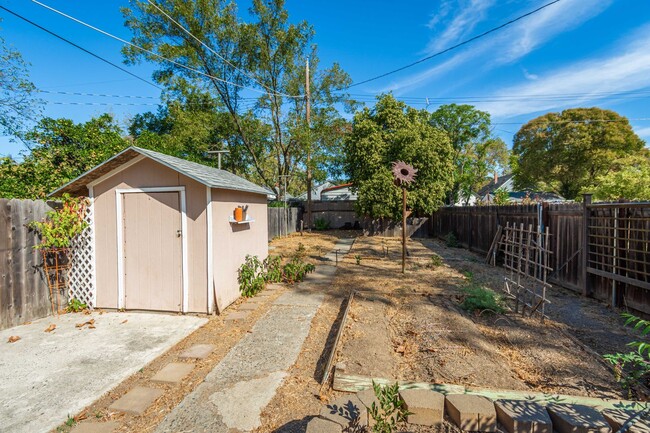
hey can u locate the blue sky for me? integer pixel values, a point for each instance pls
(575, 53)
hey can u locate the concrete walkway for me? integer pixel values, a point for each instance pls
(234, 394)
(46, 376)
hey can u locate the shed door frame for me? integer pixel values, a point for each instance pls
(121, 300)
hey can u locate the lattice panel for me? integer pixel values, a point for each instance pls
(82, 273)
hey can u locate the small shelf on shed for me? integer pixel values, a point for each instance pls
(232, 220)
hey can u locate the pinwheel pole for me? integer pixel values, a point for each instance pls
(404, 174)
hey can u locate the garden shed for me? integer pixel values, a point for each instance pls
(162, 235)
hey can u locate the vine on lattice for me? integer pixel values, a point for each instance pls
(82, 272)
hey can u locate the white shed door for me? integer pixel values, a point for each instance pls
(152, 251)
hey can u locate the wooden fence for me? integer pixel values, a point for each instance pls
(24, 294)
(283, 221)
(616, 237)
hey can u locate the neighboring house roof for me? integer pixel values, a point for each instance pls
(534, 195)
(493, 186)
(335, 187)
(315, 192)
(208, 176)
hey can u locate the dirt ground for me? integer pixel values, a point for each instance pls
(411, 327)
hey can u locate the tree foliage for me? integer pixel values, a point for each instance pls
(628, 178)
(17, 102)
(476, 153)
(62, 151)
(566, 152)
(389, 132)
(266, 132)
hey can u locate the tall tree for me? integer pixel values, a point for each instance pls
(389, 132)
(220, 54)
(17, 102)
(565, 152)
(628, 179)
(62, 151)
(475, 152)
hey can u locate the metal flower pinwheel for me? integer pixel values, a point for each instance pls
(404, 174)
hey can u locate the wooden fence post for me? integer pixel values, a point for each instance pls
(585, 244)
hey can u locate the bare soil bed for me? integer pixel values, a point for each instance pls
(411, 327)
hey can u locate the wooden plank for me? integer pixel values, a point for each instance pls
(6, 288)
(621, 278)
(355, 383)
(339, 332)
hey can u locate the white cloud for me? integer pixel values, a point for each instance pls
(511, 43)
(625, 70)
(529, 76)
(643, 132)
(470, 13)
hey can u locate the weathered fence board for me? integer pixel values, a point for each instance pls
(24, 294)
(283, 221)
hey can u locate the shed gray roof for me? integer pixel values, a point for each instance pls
(209, 176)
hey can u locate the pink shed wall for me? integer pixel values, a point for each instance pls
(232, 242)
(148, 173)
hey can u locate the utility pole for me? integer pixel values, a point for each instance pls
(308, 110)
(218, 152)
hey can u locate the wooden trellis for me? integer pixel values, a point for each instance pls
(526, 255)
(82, 285)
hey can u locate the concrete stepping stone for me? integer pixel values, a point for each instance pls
(472, 412)
(427, 407)
(322, 275)
(273, 287)
(237, 315)
(618, 417)
(198, 351)
(367, 398)
(320, 425)
(346, 411)
(173, 373)
(575, 418)
(137, 400)
(520, 416)
(95, 427)
(248, 306)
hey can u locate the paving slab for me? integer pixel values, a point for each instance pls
(248, 306)
(137, 400)
(471, 412)
(637, 421)
(95, 427)
(237, 315)
(45, 376)
(346, 411)
(427, 407)
(367, 398)
(273, 287)
(305, 298)
(520, 416)
(575, 418)
(198, 351)
(322, 275)
(320, 425)
(173, 373)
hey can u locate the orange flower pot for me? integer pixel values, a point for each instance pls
(239, 214)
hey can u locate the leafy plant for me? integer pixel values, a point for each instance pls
(436, 261)
(390, 410)
(479, 298)
(631, 368)
(62, 225)
(451, 240)
(321, 224)
(296, 269)
(251, 276)
(501, 197)
(272, 266)
(75, 306)
(357, 258)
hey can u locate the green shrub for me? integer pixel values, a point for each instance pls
(634, 367)
(357, 258)
(295, 270)
(390, 410)
(75, 306)
(62, 225)
(451, 240)
(481, 299)
(272, 266)
(251, 276)
(321, 224)
(436, 261)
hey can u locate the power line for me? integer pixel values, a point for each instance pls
(180, 26)
(102, 95)
(79, 47)
(446, 50)
(180, 65)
